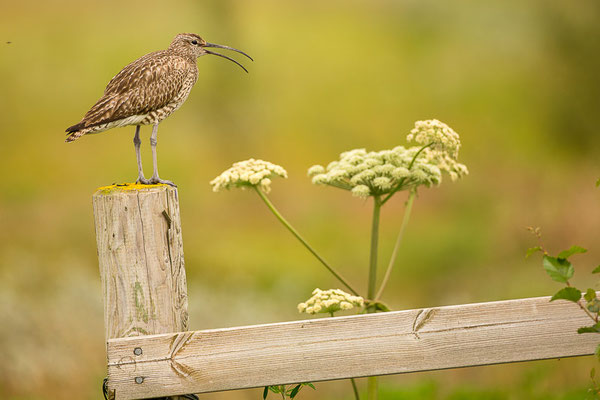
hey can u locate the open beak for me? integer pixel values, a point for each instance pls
(227, 48)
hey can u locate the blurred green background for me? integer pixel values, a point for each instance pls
(517, 80)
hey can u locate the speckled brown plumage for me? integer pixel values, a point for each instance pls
(147, 91)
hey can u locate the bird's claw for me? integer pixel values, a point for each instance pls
(143, 181)
(155, 179)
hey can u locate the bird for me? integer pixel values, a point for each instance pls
(147, 91)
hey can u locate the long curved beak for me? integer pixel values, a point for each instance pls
(227, 48)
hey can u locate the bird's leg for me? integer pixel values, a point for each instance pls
(153, 140)
(137, 143)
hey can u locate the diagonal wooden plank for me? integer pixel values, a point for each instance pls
(343, 347)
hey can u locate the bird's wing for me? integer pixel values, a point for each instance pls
(145, 85)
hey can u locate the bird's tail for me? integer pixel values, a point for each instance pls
(75, 132)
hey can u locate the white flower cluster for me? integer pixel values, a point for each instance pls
(330, 301)
(442, 137)
(248, 173)
(377, 173)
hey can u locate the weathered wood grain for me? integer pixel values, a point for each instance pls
(356, 346)
(140, 252)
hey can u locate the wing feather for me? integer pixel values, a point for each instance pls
(147, 84)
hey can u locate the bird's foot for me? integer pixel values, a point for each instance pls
(155, 179)
(143, 181)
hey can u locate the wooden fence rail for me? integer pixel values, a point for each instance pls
(344, 347)
(143, 275)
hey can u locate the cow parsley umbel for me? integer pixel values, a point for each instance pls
(386, 172)
(330, 301)
(442, 137)
(248, 173)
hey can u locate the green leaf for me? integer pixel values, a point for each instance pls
(590, 295)
(590, 329)
(309, 384)
(379, 306)
(532, 250)
(593, 306)
(275, 389)
(596, 270)
(295, 391)
(598, 352)
(598, 183)
(568, 293)
(559, 269)
(265, 392)
(573, 250)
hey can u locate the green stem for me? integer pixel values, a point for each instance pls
(412, 162)
(372, 380)
(355, 388)
(399, 185)
(372, 386)
(374, 243)
(301, 239)
(405, 218)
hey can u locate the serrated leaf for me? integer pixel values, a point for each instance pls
(265, 392)
(558, 269)
(532, 250)
(593, 306)
(596, 270)
(295, 391)
(573, 250)
(568, 293)
(590, 295)
(590, 329)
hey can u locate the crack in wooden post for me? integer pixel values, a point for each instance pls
(423, 316)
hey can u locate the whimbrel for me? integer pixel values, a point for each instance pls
(146, 92)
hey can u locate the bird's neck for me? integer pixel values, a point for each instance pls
(183, 53)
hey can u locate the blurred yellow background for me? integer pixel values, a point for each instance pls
(519, 81)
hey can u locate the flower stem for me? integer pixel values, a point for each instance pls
(355, 388)
(372, 386)
(374, 243)
(405, 218)
(372, 380)
(412, 162)
(301, 239)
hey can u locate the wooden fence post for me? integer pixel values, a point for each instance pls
(140, 252)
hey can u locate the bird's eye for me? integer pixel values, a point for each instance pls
(194, 42)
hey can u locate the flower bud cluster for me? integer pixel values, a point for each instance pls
(388, 171)
(248, 173)
(441, 136)
(330, 301)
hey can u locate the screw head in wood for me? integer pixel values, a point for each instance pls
(137, 351)
(139, 379)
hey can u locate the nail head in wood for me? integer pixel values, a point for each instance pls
(137, 351)
(139, 379)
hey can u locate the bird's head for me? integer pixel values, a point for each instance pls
(193, 45)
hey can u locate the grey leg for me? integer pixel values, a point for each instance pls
(153, 140)
(137, 143)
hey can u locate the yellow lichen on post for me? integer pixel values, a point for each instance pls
(120, 187)
(140, 252)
